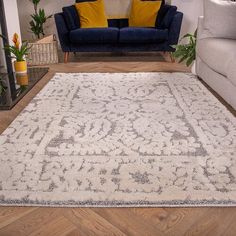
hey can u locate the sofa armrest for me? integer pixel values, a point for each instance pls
(165, 16)
(63, 32)
(175, 27)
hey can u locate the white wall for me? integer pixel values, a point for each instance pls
(12, 18)
(51, 6)
(191, 9)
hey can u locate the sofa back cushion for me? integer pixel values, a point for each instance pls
(118, 23)
(71, 17)
(220, 18)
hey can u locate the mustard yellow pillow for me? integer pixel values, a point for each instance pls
(144, 13)
(92, 14)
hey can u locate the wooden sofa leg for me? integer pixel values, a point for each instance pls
(172, 59)
(66, 56)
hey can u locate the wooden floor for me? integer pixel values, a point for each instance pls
(24, 221)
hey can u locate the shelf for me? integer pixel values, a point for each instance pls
(20, 87)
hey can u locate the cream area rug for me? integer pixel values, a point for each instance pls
(133, 139)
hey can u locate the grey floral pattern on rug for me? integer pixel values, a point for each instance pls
(122, 139)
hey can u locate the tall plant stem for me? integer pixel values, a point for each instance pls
(36, 8)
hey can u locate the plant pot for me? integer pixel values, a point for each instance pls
(20, 67)
(193, 69)
(22, 79)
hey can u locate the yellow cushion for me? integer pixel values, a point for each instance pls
(144, 13)
(92, 14)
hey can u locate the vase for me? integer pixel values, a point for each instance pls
(22, 79)
(20, 67)
(193, 68)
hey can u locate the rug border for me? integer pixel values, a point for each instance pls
(134, 204)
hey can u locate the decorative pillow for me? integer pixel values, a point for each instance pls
(220, 18)
(144, 13)
(92, 14)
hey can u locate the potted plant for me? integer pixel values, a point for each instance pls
(44, 49)
(186, 52)
(18, 52)
(39, 19)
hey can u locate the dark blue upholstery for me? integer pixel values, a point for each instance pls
(119, 23)
(96, 35)
(175, 28)
(118, 36)
(71, 17)
(165, 16)
(142, 35)
(63, 32)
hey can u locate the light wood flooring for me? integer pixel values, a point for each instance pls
(24, 221)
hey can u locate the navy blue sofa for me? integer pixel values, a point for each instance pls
(118, 36)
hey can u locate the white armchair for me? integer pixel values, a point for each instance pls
(216, 54)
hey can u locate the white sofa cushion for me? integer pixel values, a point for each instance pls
(217, 53)
(220, 18)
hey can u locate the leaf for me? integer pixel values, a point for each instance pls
(183, 58)
(189, 61)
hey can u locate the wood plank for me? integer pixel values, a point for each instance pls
(180, 218)
(90, 223)
(58, 226)
(76, 232)
(213, 223)
(128, 222)
(10, 214)
(30, 223)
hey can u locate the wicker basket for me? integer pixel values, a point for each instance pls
(43, 52)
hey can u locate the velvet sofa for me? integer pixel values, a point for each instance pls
(118, 36)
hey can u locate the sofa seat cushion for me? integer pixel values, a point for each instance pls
(216, 53)
(142, 35)
(95, 35)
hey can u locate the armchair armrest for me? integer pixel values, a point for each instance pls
(201, 31)
(175, 27)
(63, 32)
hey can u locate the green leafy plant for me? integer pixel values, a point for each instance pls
(186, 52)
(18, 51)
(39, 19)
(2, 86)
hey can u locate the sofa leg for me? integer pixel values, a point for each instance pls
(66, 56)
(172, 59)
